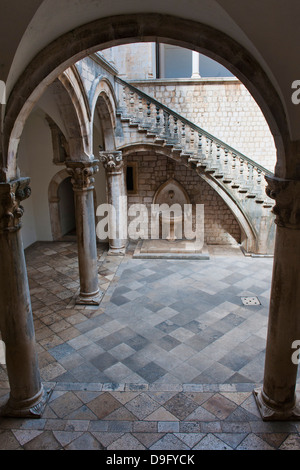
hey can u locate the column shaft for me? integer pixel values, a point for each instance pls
(195, 64)
(277, 399)
(116, 197)
(82, 180)
(27, 395)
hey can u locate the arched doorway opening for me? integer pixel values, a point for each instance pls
(67, 209)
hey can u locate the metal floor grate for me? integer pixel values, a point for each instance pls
(250, 301)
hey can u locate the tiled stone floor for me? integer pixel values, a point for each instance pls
(167, 362)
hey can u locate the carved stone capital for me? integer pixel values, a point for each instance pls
(112, 161)
(287, 197)
(82, 174)
(11, 211)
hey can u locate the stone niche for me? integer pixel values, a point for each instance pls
(154, 175)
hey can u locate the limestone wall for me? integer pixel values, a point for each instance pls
(220, 227)
(223, 107)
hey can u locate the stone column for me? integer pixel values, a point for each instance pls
(195, 64)
(83, 185)
(277, 398)
(116, 197)
(27, 395)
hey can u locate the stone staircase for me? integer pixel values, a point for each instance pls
(237, 178)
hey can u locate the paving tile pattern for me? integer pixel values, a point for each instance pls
(118, 417)
(160, 321)
(167, 361)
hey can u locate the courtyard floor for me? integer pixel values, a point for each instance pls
(168, 361)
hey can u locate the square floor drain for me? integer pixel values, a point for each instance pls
(250, 301)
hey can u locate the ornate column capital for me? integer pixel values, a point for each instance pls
(11, 211)
(82, 174)
(287, 196)
(112, 161)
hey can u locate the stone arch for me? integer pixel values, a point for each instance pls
(105, 103)
(111, 31)
(248, 231)
(70, 111)
(71, 81)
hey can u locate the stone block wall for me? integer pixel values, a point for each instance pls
(223, 107)
(220, 225)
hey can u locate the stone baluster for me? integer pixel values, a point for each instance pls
(235, 180)
(148, 122)
(200, 145)
(250, 181)
(132, 106)
(166, 124)
(259, 191)
(210, 158)
(82, 177)
(158, 120)
(27, 397)
(183, 135)
(175, 130)
(117, 198)
(226, 168)
(277, 400)
(192, 141)
(242, 179)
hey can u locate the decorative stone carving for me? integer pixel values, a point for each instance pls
(112, 161)
(116, 196)
(82, 174)
(287, 196)
(11, 210)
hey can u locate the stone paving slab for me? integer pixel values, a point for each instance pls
(94, 416)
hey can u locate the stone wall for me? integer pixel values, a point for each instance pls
(223, 107)
(221, 227)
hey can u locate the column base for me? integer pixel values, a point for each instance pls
(89, 299)
(116, 251)
(32, 409)
(271, 414)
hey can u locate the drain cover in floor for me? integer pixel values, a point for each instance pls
(250, 301)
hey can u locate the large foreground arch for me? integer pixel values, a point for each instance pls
(277, 398)
(112, 31)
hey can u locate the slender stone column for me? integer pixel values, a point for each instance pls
(83, 185)
(27, 395)
(116, 197)
(195, 64)
(277, 398)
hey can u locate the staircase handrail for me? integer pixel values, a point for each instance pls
(194, 126)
